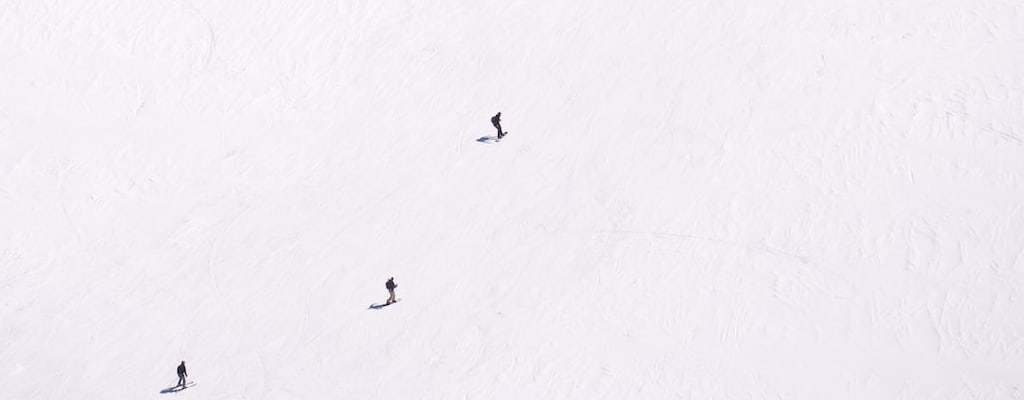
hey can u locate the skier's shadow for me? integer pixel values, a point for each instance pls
(376, 306)
(174, 389)
(487, 139)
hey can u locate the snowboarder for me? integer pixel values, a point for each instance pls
(182, 373)
(496, 121)
(390, 285)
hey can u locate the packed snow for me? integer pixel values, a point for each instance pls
(697, 199)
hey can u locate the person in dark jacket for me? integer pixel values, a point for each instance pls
(182, 373)
(390, 285)
(496, 121)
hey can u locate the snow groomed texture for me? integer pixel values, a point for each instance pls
(703, 199)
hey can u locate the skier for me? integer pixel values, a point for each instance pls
(496, 121)
(390, 285)
(182, 373)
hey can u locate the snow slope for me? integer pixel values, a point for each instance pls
(697, 200)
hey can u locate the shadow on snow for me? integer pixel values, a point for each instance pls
(376, 306)
(176, 388)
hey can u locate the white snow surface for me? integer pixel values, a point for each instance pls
(697, 199)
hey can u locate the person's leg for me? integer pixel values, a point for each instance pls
(391, 297)
(499, 130)
(181, 380)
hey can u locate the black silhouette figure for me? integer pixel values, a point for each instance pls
(496, 121)
(390, 285)
(182, 374)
